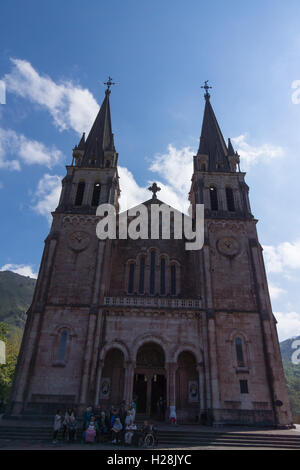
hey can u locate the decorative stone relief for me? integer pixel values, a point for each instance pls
(228, 246)
(80, 220)
(79, 241)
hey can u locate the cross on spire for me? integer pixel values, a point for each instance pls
(109, 83)
(206, 88)
(154, 189)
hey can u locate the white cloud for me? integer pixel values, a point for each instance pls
(29, 151)
(23, 269)
(47, 195)
(70, 106)
(250, 154)
(131, 193)
(283, 257)
(288, 324)
(174, 166)
(275, 291)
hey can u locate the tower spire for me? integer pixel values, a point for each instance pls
(100, 138)
(212, 143)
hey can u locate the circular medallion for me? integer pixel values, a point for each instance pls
(79, 241)
(228, 246)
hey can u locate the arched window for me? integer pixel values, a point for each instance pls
(173, 279)
(62, 347)
(96, 194)
(213, 198)
(230, 199)
(163, 276)
(239, 352)
(80, 193)
(142, 275)
(152, 272)
(131, 278)
(203, 167)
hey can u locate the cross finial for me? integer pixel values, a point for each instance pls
(206, 88)
(154, 189)
(109, 83)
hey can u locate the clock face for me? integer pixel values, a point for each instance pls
(79, 241)
(228, 246)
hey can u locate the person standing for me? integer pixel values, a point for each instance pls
(69, 413)
(57, 425)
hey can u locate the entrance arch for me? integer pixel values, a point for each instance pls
(150, 379)
(187, 386)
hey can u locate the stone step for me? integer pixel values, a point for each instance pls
(174, 438)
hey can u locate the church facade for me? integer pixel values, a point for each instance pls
(115, 319)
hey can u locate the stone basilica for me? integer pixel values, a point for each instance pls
(114, 319)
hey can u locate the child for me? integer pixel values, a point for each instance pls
(116, 431)
(90, 433)
(57, 425)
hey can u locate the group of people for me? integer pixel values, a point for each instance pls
(116, 425)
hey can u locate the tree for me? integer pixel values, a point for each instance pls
(7, 370)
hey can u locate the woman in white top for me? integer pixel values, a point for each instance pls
(57, 425)
(130, 432)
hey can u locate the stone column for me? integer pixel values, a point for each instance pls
(128, 382)
(171, 385)
(98, 382)
(149, 386)
(87, 358)
(201, 389)
(211, 331)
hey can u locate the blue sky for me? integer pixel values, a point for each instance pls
(54, 58)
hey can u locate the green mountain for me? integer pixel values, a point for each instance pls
(292, 371)
(16, 294)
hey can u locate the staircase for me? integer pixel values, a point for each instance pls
(172, 438)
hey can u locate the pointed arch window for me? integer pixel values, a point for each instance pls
(80, 193)
(163, 276)
(131, 278)
(96, 194)
(62, 347)
(173, 279)
(213, 198)
(230, 199)
(239, 352)
(152, 272)
(142, 275)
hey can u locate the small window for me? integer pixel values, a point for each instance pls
(96, 194)
(230, 199)
(142, 276)
(131, 278)
(244, 386)
(163, 276)
(107, 164)
(173, 279)
(203, 167)
(239, 352)
(213, 198)
(62, 347)
(80, 193)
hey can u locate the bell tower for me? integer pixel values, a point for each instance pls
(236, 289)
(64, 323)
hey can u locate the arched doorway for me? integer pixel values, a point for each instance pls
(187, 387)
(112, 382)
(150, 379)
